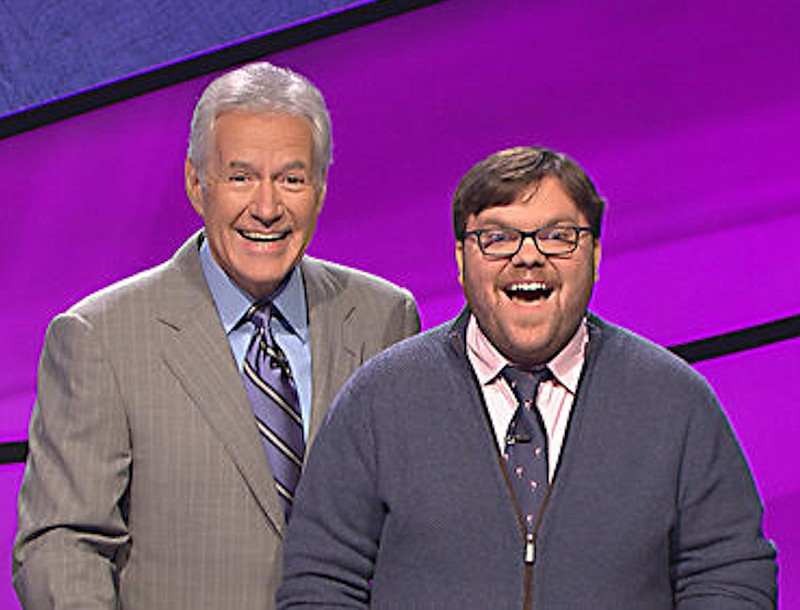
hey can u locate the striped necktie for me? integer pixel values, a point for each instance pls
(526, 444)
(273, 396)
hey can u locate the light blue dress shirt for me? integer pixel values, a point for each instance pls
(292, 333)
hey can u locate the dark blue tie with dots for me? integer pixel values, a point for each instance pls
(526, 444)
(273, 396)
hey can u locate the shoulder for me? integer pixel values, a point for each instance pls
(414, 363)
(372, 308)
(171, 281)
(401, 385)
(625, 363)
(118, 293)
(334, 278)
(627, 348)
(632, 389)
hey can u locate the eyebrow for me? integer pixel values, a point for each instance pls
(248, 167)
(496, 222)
(244, 165)
(288, 166)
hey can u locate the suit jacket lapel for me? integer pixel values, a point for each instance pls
(198, 354)
(335, 349)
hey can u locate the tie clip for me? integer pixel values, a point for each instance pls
(513, 439)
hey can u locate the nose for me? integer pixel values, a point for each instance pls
(265, 202)
(528, 254)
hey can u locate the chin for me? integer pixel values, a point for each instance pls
(532, 356)
(532, 346)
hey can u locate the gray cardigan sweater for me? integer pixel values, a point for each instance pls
(404, 501)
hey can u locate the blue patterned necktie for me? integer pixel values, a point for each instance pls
(273, 396)
(526, 444)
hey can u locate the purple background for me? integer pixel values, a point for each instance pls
(687, 116)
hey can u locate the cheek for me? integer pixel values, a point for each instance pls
(222, 212)
(478, 284)
(577, 287)
(304, 213)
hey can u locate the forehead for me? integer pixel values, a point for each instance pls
(252, 131)
(542, 203)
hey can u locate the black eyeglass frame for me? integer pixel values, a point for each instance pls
(523, 235)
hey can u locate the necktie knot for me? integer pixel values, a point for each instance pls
(259, 314)
(263, 342)
(525, 382)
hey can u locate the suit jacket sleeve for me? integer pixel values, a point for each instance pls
(72, 529)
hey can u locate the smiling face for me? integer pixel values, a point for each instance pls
(256, 196)
(529, 305)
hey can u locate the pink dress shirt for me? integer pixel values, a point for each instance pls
(555, 396)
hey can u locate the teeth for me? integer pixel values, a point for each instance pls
(527, 287)
(528, 291)
(265, 237)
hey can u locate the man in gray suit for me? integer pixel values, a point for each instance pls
(147, 483)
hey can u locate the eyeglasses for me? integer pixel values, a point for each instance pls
(242, 182)
(550, 241)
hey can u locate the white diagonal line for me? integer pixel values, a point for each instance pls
(287, 495)
(252, 375)
(280, 445)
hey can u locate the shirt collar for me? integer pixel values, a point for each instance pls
(488, 362)
(232, 302)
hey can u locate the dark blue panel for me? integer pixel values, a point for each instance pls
(53, 48)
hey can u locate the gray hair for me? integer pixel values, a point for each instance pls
(262, 87)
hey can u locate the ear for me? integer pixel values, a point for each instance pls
(321, 196)
(460, 261)
(194, 190)
(596, 255)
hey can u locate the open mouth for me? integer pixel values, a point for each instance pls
(263, 237)
(527, 292)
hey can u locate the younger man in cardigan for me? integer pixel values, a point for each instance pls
(612, 481)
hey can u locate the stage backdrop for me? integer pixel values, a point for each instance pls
(50, 50)
(687, 115)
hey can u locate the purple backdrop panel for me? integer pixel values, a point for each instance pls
(690, 133)
(689, 287)
(10, 478)
(411, 114)
(684, 131)
(781, 525)
(756, 389)
(110, 203)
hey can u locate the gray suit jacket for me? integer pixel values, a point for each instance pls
(146, 484)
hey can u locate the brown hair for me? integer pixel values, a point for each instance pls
(500, 179)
